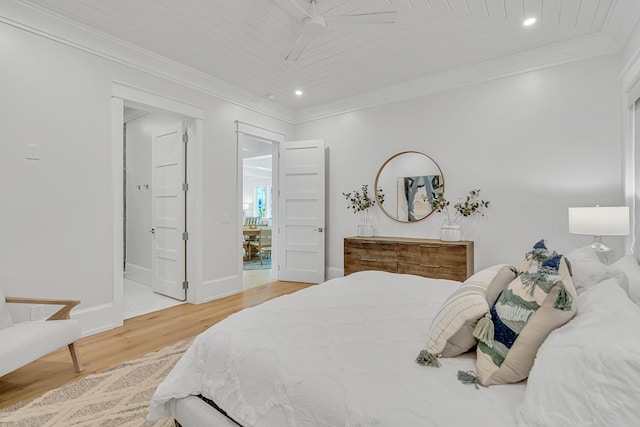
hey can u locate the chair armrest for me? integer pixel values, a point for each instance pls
(63, 313)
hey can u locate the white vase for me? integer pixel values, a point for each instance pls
(365, 228)
(450, 233)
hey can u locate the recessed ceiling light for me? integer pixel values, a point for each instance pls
(529, 21)
(298, 92)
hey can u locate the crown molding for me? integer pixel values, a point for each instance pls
(62, 30)
(506, 66)
(631, 61)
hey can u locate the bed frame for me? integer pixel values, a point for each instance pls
(192, 411)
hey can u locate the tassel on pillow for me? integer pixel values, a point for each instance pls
(564, 300)
(427, 359)
(469, 377)
(540, 252)
(484, 330)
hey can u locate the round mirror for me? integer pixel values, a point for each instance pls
(404, 184)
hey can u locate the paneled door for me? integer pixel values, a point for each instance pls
(301, 210)
(168, 211)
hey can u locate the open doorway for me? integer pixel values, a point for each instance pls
(258, 210)
(141, 132)
(127, 96)
(298, 204)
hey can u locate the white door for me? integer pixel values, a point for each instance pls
(301, 211)
(168, 212)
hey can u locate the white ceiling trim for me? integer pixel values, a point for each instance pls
(62, 30)
(522, 62)
(630, 73)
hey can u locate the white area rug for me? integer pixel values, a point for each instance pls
(117, 397)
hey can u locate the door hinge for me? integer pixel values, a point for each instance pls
(185, 285)
(185, 236)
(185, 186)
(185, 137)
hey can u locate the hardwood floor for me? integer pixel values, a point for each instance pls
(138, 336)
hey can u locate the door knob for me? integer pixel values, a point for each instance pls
(152, 231)
(319, 229)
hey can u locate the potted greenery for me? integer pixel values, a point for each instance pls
(470, 206)
(360, 202)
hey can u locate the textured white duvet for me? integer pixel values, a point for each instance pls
(337, 354)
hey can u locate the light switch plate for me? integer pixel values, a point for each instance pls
(33, 151)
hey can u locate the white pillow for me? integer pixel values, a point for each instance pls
(629, 266)
(587, 270)
(451, 331)
(587, 373)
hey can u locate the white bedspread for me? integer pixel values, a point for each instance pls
(337, 354)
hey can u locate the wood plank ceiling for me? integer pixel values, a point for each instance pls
(244, 42)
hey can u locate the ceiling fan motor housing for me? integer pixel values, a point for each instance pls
(314, 27)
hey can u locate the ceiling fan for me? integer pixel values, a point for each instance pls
(314, 26)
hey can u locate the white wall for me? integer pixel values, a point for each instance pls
(57, 214)
(139, 133)
(535, 144)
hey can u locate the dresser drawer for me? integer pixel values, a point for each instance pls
(370, 255)
(434, 271)
(434, 260)
(433, 254)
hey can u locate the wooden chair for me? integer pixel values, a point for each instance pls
(252, 220)
(263, 244)
(246, 249)
(25, 342)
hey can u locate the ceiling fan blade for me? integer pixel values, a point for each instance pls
(304, 12)
(297, 49)
(363, 19)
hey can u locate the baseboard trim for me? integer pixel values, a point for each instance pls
(333, 272)
(95, 319)
(219, 288)
(138, 273)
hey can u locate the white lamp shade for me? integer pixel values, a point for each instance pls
(599, 221)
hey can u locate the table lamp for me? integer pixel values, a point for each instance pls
(600, 221)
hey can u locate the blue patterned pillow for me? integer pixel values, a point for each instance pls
(538, 301)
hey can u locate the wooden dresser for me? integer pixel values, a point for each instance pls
(422, 257)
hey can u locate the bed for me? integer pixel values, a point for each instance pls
(343, 353)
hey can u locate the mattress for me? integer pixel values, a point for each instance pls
(337, 354)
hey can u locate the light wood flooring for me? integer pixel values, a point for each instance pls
(139, 335)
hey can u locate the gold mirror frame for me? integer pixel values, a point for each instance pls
(423, 180)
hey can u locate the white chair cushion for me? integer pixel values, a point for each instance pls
(5, 315)
(26, 342)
